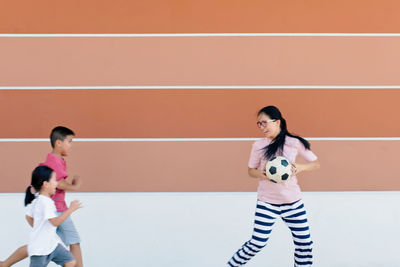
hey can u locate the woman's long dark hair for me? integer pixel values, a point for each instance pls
(276, 146)
(40, 175)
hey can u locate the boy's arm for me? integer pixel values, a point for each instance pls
(56, 221)
(74, 186)
(29, 219)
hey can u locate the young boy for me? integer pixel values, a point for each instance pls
(61, 142)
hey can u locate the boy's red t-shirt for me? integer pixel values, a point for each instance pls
(58, 165)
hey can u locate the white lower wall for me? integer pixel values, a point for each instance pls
(205, 229)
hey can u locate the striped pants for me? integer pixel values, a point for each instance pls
(294, 215)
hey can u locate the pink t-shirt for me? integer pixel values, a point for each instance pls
(286, 192)
(58, 165)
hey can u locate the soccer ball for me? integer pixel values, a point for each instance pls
(278, 169)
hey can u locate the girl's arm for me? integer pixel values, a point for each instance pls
(309, 166)
(56, 221)
(256, 173)
(29, 219)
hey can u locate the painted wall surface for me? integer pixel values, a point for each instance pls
(190, 203)
(200, 166)
(167, 16)
(350, 229)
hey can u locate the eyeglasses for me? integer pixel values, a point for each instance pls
(263, 123)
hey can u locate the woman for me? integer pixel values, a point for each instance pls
(278, 199)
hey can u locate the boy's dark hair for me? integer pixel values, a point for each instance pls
(40, 175)
(59, 133)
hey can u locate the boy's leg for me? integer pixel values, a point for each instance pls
(70, 264)
(17, 256)
(76, 251)
(295, 218)
(68, 234)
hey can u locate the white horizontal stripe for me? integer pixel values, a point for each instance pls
(304, 260)
(302, 240)
(293, 212)
(298, 225)
(244, 255)
(265, 220)
(263, 236)
(302, 253)
(129, 139)
(258, 243)
(197, 139)
(140, 35)
(239, 259)
(186, 87)
(301, 217)
(265, 227)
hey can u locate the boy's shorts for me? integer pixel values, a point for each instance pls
(60, 256)
(67, 232)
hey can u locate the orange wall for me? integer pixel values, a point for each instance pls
(199, 61)
(197, 113)
(216, 166)
(159, 16)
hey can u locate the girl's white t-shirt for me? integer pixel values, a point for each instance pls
(43, 239)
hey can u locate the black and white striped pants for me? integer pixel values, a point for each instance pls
(295, 217)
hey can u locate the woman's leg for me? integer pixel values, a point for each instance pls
(265, 217)
(295, 217)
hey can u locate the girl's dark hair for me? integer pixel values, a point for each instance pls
(276, 146)
(40, 175)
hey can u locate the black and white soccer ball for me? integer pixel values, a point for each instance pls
(278, 169)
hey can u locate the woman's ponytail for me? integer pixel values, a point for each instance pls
(275, 148)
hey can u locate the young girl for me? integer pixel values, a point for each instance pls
(44, 244)
(278, 200)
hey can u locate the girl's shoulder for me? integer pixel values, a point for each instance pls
(261, 143)
(32, 204)
(41, 200)
(289, 141)
(292, 141)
